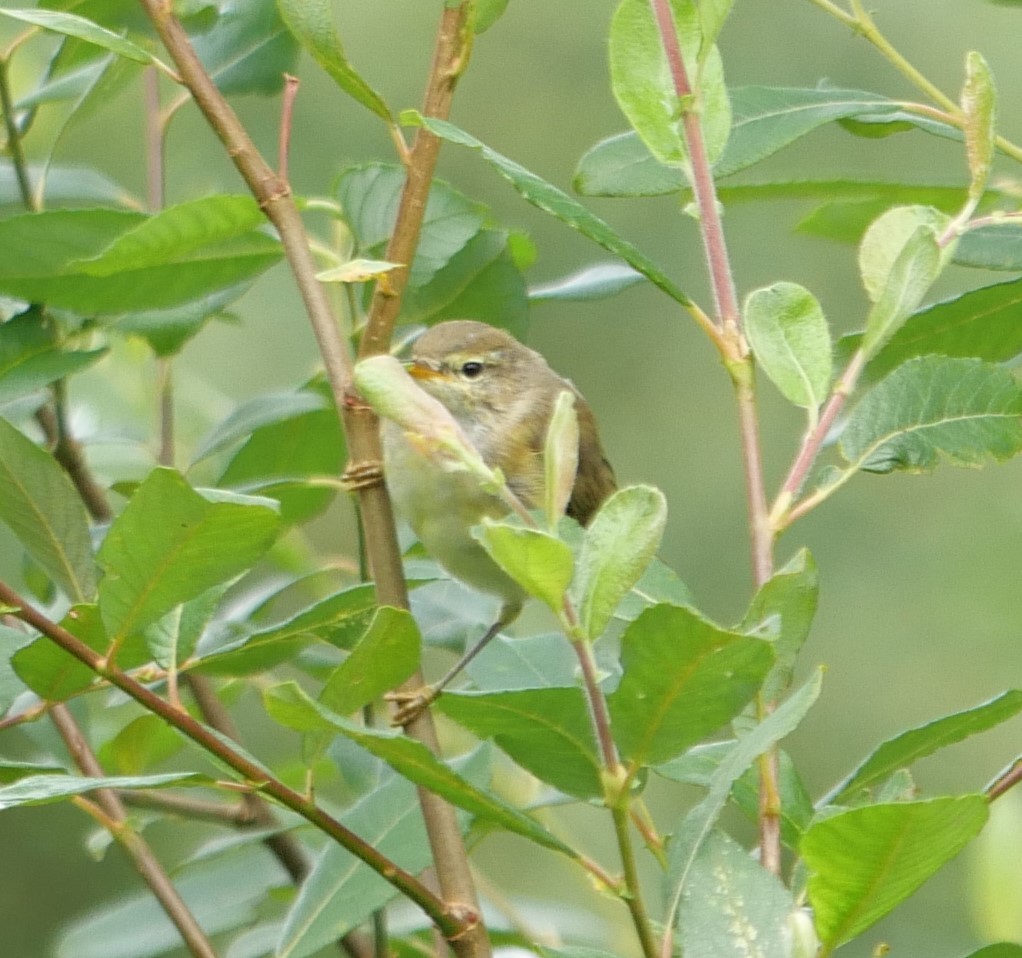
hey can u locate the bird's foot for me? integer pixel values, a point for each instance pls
(410, 705)
(362, 475)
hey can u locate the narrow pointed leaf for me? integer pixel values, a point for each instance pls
(963, 410)
(683, 678)
(865, 861)
(790, 340)
(289, 705)
(560, 458)
(43, 789)
(593, 282)
(42, 508)
(171, 544)
(907, 748)
(311, 22)
(699, 821)
(557, 203)
(546, 731)
(72, 25)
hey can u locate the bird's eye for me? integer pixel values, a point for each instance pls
(471, 370)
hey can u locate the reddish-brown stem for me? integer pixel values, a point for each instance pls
(1007, 780)
(287, 114)
(255, 776)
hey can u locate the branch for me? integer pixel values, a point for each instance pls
(451, 920)
(137, 849)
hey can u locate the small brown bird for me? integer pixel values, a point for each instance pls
(502, 394)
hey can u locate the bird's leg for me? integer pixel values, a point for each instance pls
(412, 703)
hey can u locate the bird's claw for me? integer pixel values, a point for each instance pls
(410, 705)
(362, 475)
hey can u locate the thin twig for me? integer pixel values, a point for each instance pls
(287, 115)
(136, 847)
(1007, 780)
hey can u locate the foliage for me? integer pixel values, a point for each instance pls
(160, 596)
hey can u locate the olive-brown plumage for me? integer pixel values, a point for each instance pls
(502, 394)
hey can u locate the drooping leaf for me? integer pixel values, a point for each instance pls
(557, 203)
(908, 747)
(645, 89)
(539, 562)
(887, 239)
(865, 861)
(311, 22)
(618, 546)
(683, 678)
(383, 658)
(733, 907)
(289, 705)
(790, 340)
(546, 731)
(171, 544)
(962, 409)
(43, 509)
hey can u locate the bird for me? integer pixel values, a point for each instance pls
(502, 395)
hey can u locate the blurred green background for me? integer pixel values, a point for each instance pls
(920, 598)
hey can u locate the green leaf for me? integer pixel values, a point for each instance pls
(249, 49)
(12, 641)
(683, 678)
(43, 509)
(340, 619)
(560, 459)
(53, 674)
(173, 638)
(700, 820)
(979, 110)
(254, 414)
(782, 610)
(74, 26)
(911, 275)
(765, 120)
(557, 203)
(618, 546)
(296, 460)
(341, 891)
(311, 22)
(907, 748)
(644, 87)
(175, 233)
(865, 861)
(290, 706)
(43, 789)
(981, 324)
(790, 340)
(142, 743)
(998, 246)
(659, 583)
(171, 544)
(64, 186)
(45, 251)
(383, 658)
(732, 906)
(30, 359)
(485, 13)
(593, 282)
(540, 563)
(1003, 949)
(547, 731)
(962, 409)
(888, 237)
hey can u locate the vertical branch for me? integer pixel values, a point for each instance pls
(738, 361)
(274, 196)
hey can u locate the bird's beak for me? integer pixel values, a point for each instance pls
(420, 370)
